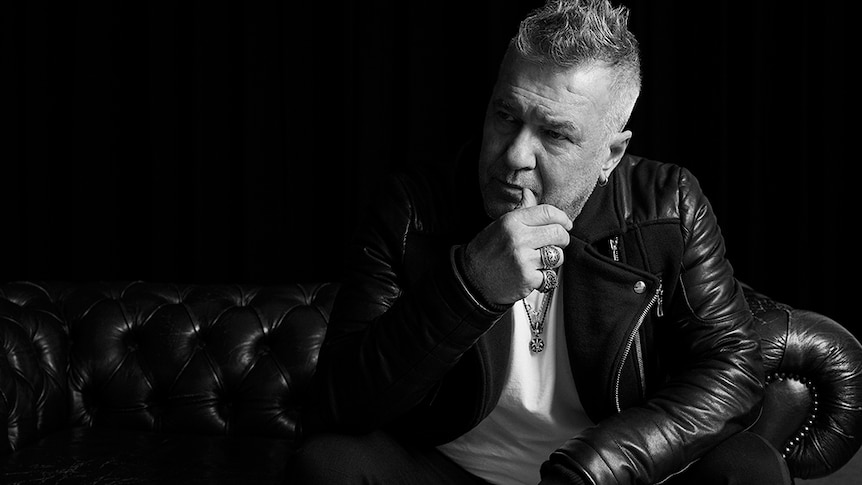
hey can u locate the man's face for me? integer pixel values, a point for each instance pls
(545, 131)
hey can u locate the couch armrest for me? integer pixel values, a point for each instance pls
(812, 409)
(34, 345)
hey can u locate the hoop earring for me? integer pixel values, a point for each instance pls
(603, 181)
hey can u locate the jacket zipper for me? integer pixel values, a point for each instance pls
(657, 302)
(614, 243)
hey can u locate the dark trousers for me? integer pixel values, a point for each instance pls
(378, 458)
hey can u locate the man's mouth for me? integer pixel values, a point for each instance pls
(509, 191)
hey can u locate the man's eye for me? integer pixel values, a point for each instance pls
(505, 116)
(555, 135)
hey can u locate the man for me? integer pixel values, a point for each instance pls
(592, 332)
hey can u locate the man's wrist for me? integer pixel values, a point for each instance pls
(457, 256)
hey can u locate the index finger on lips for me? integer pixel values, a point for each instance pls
(528, 199)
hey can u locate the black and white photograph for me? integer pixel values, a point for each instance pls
(378, 242)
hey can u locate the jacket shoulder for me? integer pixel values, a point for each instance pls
(650, 190)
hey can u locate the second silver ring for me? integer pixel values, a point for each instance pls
(549, 280)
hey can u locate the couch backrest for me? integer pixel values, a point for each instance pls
(204, 359)
(34, 344)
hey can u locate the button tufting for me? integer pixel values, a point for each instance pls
(795, 441)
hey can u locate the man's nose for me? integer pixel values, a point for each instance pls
(521, 152)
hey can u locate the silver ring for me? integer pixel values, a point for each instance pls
(550, 256)
(549, 280)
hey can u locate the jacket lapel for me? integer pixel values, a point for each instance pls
(600, 308)
(600, 305)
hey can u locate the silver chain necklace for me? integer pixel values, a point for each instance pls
(537, 321)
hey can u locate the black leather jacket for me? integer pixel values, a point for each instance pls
(661, 342)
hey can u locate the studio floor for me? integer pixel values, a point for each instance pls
(849, 474)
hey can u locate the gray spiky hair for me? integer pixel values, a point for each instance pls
(569, 33)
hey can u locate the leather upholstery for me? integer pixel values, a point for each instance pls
(91, 375)
(216, 360)
(813, 405)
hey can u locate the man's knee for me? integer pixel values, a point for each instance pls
(326, 458)
(741, 460)
(344, 458)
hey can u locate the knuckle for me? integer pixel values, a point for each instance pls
(558, 234)
(523, 258)
(511, 254)
(527, 276)
(514, 242)
(508, 223)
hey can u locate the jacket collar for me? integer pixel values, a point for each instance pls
(604, 212)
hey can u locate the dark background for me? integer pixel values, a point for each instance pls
(222, 142)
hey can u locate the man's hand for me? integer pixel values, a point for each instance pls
(503, 261)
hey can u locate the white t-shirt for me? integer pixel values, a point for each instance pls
(539, 408)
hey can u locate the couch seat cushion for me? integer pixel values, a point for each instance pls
(97, 455)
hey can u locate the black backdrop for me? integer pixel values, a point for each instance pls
(221, 142)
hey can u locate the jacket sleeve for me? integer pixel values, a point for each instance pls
(391, 338)
(715, 391)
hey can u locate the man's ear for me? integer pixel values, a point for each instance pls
(616, 149)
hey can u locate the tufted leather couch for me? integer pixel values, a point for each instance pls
(158, 383)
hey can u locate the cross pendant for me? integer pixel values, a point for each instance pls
(537, 344)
